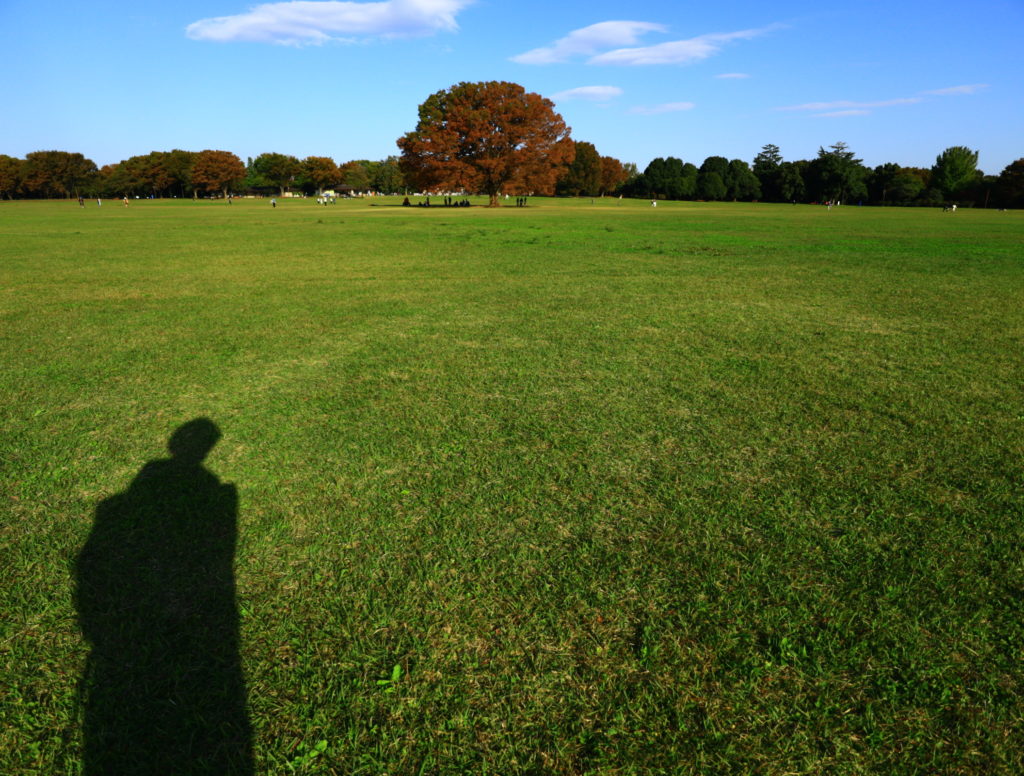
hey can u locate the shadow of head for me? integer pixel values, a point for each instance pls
(192, 442)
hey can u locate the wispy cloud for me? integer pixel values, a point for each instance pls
(588, 41)
(850, 105)
(733, 75)
(840, 113)
(676, 52)
(841, 108)
(303, 22)
(668, 107)
(591, 93)
(953, 90)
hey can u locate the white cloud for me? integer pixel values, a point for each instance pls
(314, 21)
(668, 107)
(951, 90)
(839, 113)
(733, 75)
(850, 105)
(592, 93)
(676, 52)
(587, 41)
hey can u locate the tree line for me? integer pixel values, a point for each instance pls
(177, 173)
(835, 174)
(496, 138)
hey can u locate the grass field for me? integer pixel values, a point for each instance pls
(575, 488)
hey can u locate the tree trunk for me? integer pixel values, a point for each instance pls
(494, 200)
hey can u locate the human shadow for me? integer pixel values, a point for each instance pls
(163, 691)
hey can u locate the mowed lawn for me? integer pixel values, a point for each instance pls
(582, 487)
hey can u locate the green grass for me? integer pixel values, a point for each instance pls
(566, 489)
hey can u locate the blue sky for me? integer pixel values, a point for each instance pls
(897, 81)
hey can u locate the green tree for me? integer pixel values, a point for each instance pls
(357, 174)
(791, 185)
(743, 184)
(387, 177)
(583, 175)
(767, 167)
(493, 137)
(1010, 185)
(905, 187)
(954, 170)
(720, 166)
(710, 186)
(281, 170)
(839, 176)
(880, 182)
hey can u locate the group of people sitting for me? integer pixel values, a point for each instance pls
(448, 202)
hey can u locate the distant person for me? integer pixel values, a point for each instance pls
(273, 201)
(406, 202)
(654, 203)
(99, 202)
(81, 201)
(126, 201)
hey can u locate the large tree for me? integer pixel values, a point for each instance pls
(56, 173)
(954, 170)
(279, 169)
(767, 168)
(217, 171)
(387, 176)
(838, 175)
(743, 184)
(493, 137)
(320, 172)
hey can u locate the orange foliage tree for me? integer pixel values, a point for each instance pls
(492, 137)
(216, 171)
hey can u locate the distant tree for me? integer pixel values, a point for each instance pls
(905, 187)
(767, 168)
(791, 187)
(954, 170)
(56, 173)
(493, 137)
(656, 179)
(880, 182)
(710, 186)
(10, 176)
(670, 178)
(217, 171)
(839, 176)
(1010, 185)
(357, 174)
(613, 175)
(719, 165)
(178, 164)
(583, 174)
(743, 184)
(280, 169)
(255, 182)
(387, 176)
(321, 172)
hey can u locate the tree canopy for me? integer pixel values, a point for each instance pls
(493, 137)
(217, 171)
(954, 170)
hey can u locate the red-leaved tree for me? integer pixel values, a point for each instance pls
(492, 137)
(217, 171)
